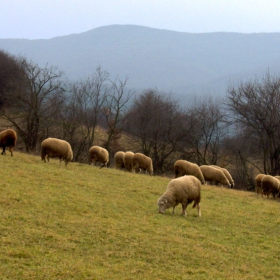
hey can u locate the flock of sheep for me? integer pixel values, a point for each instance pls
(184, 189)
(267, 185)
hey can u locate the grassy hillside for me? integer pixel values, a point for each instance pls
(83, 222)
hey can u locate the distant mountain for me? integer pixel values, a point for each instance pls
(183, 63)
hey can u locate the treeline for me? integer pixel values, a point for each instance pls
(240, 132)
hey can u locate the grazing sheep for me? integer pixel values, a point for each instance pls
(227, 174)
(214, 175)
(53, 147)
(183, 167)
(128, 156)
(8, 138)
(182, 190)
(140, 161)
(258, 183)
(119, 159)
(98, 154)
(270, 185)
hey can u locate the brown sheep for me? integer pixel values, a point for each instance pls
(182, 190)
(119, 160)
(98, 154)
(143, 162)
(183, 167)
(214, 175)
(227, 174)
(270, 185)
(53, 147)
(258, 183)
(8, 138)
(128, 156)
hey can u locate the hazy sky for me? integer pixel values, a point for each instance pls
(42, 19)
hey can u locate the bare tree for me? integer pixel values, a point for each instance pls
(83, 111)
(113, 110)
(10, 78)
(34, 105)
(157, 121)
(255, 107)
(206, 121)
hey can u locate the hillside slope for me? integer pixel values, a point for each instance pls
(89, 223)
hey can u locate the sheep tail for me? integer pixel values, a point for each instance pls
(196, 202)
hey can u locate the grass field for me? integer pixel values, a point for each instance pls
(82, 222)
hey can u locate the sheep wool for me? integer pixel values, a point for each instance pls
(227, 174)
(183, 167)
(119, 160)
(184, 190)
(258, 183)
(270, 185)
(128, 156)
(53, 147)
(143, 162)
(8, 138)
(214, 175)
(98, 154)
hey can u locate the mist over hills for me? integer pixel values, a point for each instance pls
(183, 63)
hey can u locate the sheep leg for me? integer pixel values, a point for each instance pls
(3, 152)
(184, 208)
(198, 209)
(11, 150)
(173, 209)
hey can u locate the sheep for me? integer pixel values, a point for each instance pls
(8, 138)
(119, 160)
(214, 175)
(184, 190)
(141, 161)
(270, 185)
(227, 174)
(183, 167)
(258, 183)
(128, 156)
(53, 147)
(98, 154)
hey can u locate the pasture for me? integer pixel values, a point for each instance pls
(82, 222)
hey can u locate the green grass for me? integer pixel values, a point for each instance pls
(82, 222)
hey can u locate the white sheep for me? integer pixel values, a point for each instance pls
(270, 185)
(184, 167)
(258, 183)
(184, 190)
(98, 154)
(128, 156)
(8, 138)
(227, 174)
(214, 175)
(119, 160)
(143, 162)
(53, 147)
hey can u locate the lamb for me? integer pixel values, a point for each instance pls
(184, 190)
(119, 160)
(141, 161)
(270, 185)
(53, 147)
(8, 138)
(98, 154)
(183, 167)
(214, 175)
(227, 174)
(258, 183)
(128, 156)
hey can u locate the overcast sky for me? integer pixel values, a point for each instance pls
(43, 19)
